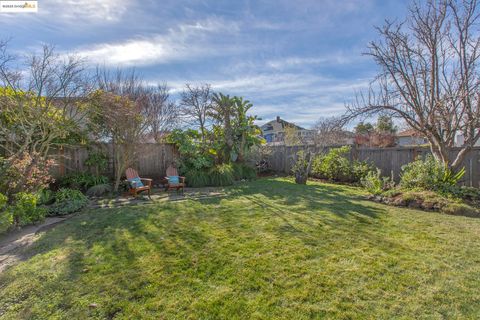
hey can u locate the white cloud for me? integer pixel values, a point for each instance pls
(297, 97)
(186, 41)
(325, 60)
(284, 84)
(92, 10)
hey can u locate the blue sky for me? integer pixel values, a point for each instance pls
(301, 60)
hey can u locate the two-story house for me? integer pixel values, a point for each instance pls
(274, 131)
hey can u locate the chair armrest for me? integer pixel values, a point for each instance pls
(149, 181)
(182, 179)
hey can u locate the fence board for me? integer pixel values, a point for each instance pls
(389, 160)
(152, 159)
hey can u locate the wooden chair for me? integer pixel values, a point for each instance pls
(147, 183)
(171, 171)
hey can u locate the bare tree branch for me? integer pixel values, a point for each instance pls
(429, 75)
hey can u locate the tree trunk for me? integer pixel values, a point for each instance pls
(118, 169)
(301, 177)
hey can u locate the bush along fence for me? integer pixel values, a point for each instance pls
(388, 160)
(152, 159)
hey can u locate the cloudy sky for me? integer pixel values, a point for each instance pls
(299, 59)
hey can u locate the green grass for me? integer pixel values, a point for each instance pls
(269, 250)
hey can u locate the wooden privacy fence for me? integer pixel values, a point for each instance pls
(389, 160)
(152, 159)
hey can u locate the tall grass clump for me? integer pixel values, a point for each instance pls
(197, 178)
(242, 171)
(221, 175)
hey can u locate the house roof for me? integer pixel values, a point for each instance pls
(283, 123)
(409, 133)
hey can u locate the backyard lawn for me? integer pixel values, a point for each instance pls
(270, 249)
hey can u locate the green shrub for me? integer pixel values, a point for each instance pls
(237, 171)
(221, 175)
(429, 174)
(375, 184)
(360, 169)
(6, 217)
(66, 207)
(67, 201)
(46, 197)
(97, 160)
(249, 173)
(197, 178)
(25, 209)
(65, 194)
(242, 171)
(81, 180)
(460, 209)
(336, 166)
(391, 192)
(99, 190)
(463, 192)
(469, 193)
(372, 182)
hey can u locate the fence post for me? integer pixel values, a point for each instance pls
(354, 152)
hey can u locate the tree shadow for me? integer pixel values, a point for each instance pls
(338, 199)
(118, 240)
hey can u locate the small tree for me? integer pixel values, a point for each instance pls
(222, 111)
(234, 126)
(385, 125)
(364, 128)
(195, 106)
(40, 109)
(39, 103)
(246, 132)
(330, 131)
(381, 135)
(119, 120)
(163, 114)
(302, 165)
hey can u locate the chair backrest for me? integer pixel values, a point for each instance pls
(131, 173)
(171, 171)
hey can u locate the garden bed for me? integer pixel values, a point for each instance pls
(428, 201)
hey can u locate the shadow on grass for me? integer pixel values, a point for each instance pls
(121, 241)
(337, 199)
(309, 204)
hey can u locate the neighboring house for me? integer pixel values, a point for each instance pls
(411, 137)
(274, 131)
(461, 141)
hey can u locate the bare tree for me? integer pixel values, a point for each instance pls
(330, 131)
(429, 75)
(118, 120)
(125, 83)
(118, 114)
(196, 103)
(41, 103)
(163, 114)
